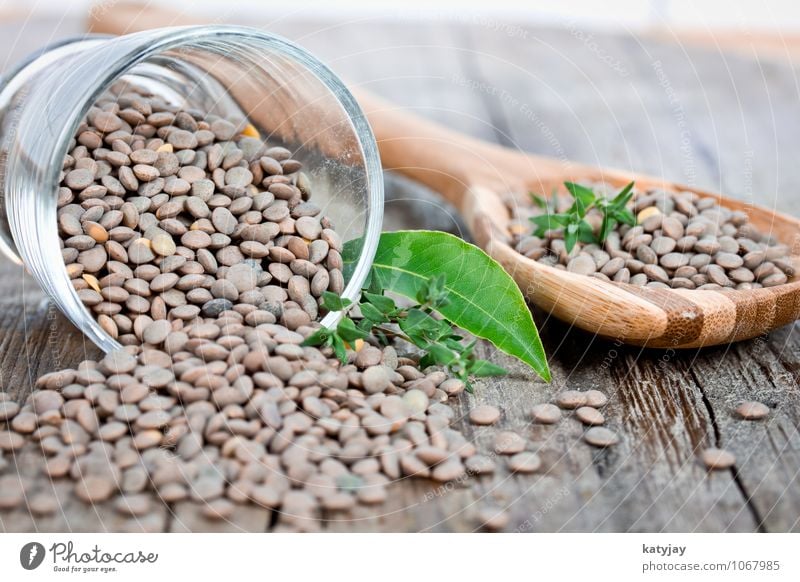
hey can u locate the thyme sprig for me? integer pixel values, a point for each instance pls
(573, 222)
(417, 324)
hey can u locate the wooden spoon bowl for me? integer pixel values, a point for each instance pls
(477, 177)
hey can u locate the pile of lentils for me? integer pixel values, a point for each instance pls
(680, 241)
(165, 214)
(223, 413)
(196, 246)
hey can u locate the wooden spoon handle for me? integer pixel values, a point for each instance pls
(447, 161)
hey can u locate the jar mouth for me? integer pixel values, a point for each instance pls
(12, 81)
(125, 53)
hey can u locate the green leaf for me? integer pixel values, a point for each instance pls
(486, 368)
(453, 343)
(441, 354)
(626, 216)
(426, 360)
(539, 201)
(621, 199)
(348, 331)
(483, 298)
(606, 227)
(586, 232)
(332, 302)
(339, 348)
(385, 304)
(615, 211)
(584, 197)
(540, 231)
(318, 338)
(570, 236)
(418, 322)
(370, 284)
(550, 221)
(545, 222)
(372, 313)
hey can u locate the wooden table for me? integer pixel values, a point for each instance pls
(720, 121)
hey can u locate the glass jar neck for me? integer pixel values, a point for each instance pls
(15, 85)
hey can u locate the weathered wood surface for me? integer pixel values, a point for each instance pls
(721, 122)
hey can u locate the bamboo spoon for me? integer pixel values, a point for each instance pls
(473, 175)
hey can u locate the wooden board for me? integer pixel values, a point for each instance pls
(551, 92)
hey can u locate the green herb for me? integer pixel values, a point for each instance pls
(573, 222)
(615, 210)
(435, 337)
(448, 277)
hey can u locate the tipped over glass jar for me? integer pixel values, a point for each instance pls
(134, 168)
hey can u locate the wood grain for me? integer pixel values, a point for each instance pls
(664, 404)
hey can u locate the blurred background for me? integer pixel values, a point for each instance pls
(768, 15)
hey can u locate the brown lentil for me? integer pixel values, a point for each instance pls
(546, 413)
(752, 410)
(589, 416)
(599, 436)
(484, 414)
(717, 459)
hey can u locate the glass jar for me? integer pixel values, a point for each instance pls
(290, 97)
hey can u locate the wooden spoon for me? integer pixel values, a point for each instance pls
(472, 175)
